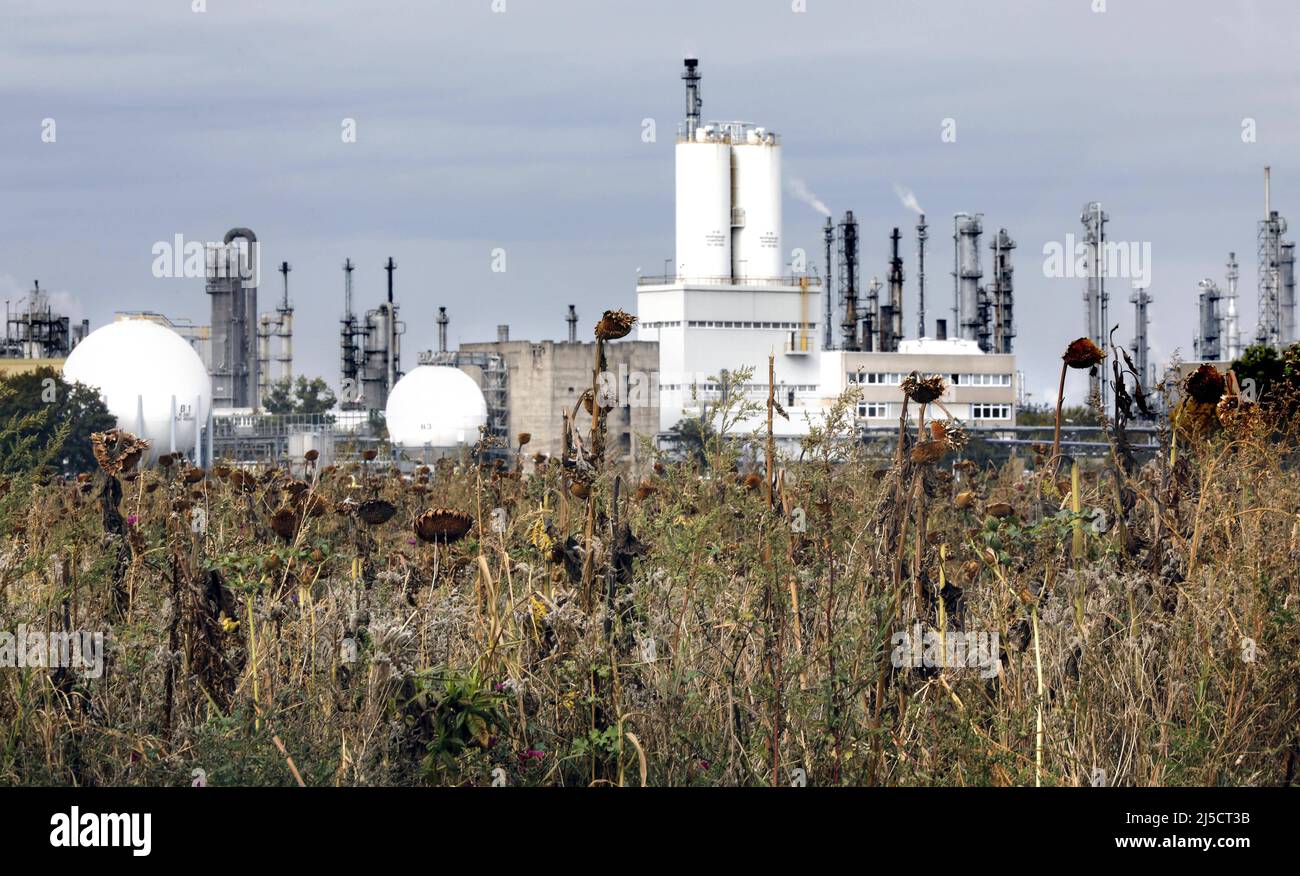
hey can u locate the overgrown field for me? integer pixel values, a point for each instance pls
(718, 621)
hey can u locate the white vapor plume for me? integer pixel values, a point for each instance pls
(909, 200)
(799, 189)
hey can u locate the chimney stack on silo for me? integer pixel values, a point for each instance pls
(572, 320)
(691, 76)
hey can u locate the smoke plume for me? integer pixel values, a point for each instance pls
(909, 200)
(799, 189)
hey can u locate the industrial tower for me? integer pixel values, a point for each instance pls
(1231, 333)
(1209, 346)
(1141, 346)
(232, 277)
(1096, 299)
(1276, 276)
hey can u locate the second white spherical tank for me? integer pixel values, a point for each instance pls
(150, 378)
(435, 406)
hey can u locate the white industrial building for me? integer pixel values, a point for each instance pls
(731, 302)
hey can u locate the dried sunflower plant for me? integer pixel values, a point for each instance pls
(729, 609)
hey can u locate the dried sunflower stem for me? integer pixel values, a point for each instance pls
(1038, 706)
(1060, 400)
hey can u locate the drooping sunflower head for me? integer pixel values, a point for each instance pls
(923, 391)
(117, 451)
(614, 324)
(1083, 353)
(443, 525)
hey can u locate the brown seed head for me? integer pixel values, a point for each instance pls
(375, 512)
(614, 324)
(1083, 353)
(1205, 384)
(923, 391)
(284, 522)
(443, 525)
(117, 450)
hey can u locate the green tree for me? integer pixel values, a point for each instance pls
(303, 397)
(46, 420)
(1262, 364)
(692, 437)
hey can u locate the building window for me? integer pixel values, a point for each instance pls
(711, 323)
(990, 412)
(876, 378)
(981, 379)
(873, 410)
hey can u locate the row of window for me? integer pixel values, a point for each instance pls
(748, 387)
(718, 323)
(876, 378)
(885, 411)
(982, 379)
(894, 378)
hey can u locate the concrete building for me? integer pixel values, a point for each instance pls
(702, 329)
(545, 379)
(981, 386)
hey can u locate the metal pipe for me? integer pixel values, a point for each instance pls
(693, 102)
(828, 335)
(921, 235)
(390, 352)
(284, 328)
(895, 296)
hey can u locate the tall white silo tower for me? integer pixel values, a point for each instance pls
(725, 305)
(756, 204)
(703, 207)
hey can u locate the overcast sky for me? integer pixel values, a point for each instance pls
(522, 130)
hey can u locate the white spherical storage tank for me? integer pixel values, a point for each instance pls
(703, 209)
(756, 245)
(150, 378)
(435, 406)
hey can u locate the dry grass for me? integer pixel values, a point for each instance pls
(682, 628)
